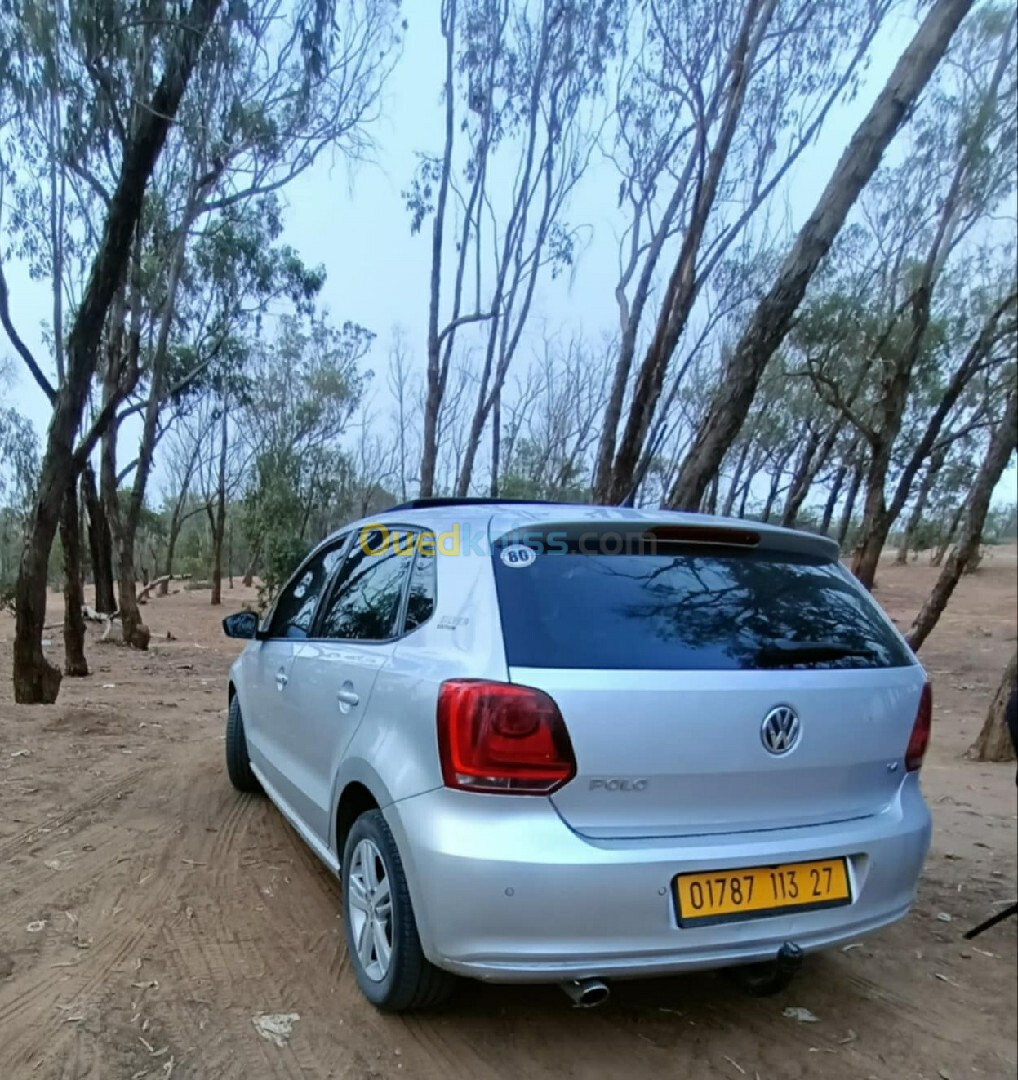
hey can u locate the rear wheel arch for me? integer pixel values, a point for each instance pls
(356, 799)
(401, 977)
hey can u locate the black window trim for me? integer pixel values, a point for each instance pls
(326, 598)
(404, 606)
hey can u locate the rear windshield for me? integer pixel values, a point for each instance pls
(689, 609)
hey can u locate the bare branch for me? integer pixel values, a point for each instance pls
(19, 346)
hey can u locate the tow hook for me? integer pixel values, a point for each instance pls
(771, 976)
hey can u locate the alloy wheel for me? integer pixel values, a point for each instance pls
(370, 907)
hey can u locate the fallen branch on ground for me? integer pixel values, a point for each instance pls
(152, 584)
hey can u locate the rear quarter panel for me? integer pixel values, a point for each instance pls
(394, 751)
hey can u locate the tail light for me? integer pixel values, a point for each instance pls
(919, 740)
(497, 737)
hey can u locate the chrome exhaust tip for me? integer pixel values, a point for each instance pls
(586, 993)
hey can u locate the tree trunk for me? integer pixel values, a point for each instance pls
(219, 523)
(876, 521)
(832, 499)
(435, 375)
(100, 544)
(849, 508)
(248, 579)
(177, 519)
(252, 563)
(684, 283)
(879, 516)
(496, 442)
(950, 533)
(773, 316)
(171, 547)
(995, 742)
(75, 664)
(772, 493)
(747, 484)
(997, 456)
(150, 425)
(135, 633)
(802, 479)
(916, 517)
(36, 681)
(733, 488)
(813, 460)
(710, 505)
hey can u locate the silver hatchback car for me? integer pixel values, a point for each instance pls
(557, 743)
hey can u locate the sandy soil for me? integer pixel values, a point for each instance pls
(148, 913)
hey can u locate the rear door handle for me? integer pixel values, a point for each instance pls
(281, 679)
(347, 696)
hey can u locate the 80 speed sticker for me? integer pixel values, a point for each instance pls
(517, 555)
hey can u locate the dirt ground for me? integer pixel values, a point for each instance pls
(148, 913)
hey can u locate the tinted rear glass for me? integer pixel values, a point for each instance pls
(690, 609)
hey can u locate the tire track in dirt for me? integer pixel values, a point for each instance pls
(204, 947)
(111, 949)
(37, 1016)
(107, 791)
(212, 935)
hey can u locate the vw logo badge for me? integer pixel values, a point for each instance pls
(780, 730)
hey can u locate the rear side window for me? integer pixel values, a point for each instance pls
(420, 605)
(365, 601)
(688, 609)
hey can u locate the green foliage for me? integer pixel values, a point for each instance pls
(530, 478)
(302, 390)
(280, 558)
(19, 466)
(1001, 525)
(19, 460)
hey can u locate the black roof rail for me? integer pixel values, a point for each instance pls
(452, 500)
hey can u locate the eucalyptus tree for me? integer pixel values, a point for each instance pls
(521, 83)
(551, 419)
(19, 464)
(993, 743)
(264, 106)
(101, 42)
(715, 102)
(768, 327)
(280, 83)
(185, 463)
(947, 312)
(302, 389)
(1000, 447)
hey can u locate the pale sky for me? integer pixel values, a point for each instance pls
(354, 222)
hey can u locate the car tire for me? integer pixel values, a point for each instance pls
(238, 765)
(407, 981)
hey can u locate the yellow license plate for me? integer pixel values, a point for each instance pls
(726, 895)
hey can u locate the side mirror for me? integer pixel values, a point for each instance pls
(244, 624)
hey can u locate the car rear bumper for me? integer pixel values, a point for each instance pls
(504, 891)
